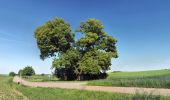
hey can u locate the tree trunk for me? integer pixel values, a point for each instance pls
(81, 77)
(65, 77)
(78, 77)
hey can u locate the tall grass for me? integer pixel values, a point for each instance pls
(6, 90)
(146, 96)
(64, 94)
(148, 79)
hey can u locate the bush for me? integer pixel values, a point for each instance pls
(42, 74)
(28, 71)
(12, 74)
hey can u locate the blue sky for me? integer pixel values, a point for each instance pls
(142, 28)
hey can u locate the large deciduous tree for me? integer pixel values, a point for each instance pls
(89, 56)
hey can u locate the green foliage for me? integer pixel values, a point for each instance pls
(67, 59)
(53, 37)
(90, 54)
(88, 65)
(95, 38)
(91, 25)
(96, 48)
(12, 74)
(28, 71)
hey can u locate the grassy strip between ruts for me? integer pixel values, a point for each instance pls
(149, 79)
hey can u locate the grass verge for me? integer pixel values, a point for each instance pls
(65, 94)
(7, 92)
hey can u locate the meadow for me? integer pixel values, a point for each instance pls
(148, 79)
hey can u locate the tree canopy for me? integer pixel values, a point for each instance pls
(53, 37)
(27, 71)
(90, 55)
(12, 74)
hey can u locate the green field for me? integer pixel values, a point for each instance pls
(9, 93)
(149, 79)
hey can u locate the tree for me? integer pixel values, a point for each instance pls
(90, 55)
(12, 74)
(28, 71)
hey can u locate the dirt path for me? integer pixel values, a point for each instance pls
(82, 86)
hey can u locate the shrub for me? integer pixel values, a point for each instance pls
(12, 74)
(28, 71)
(42, 74)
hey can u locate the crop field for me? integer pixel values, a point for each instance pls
(149, 79)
